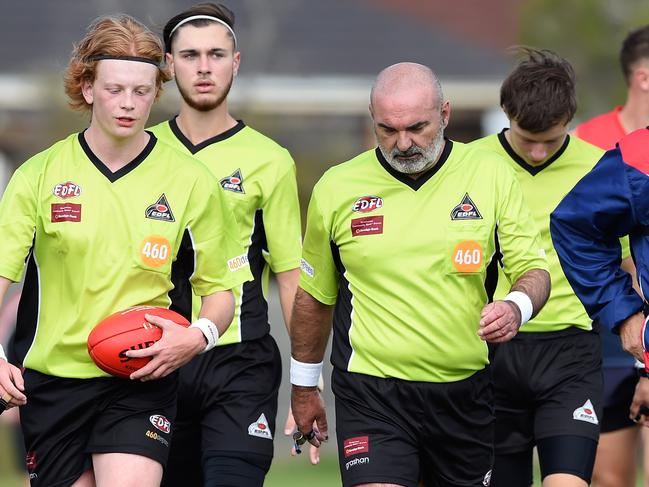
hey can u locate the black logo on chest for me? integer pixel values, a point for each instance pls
(234, 182)
(160, 210)
(466, 210)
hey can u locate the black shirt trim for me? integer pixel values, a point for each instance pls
(103, 168)
(415, 184)
(533, 170)
(173, 125)
(181, 272)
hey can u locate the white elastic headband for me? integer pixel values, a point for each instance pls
(205, 17)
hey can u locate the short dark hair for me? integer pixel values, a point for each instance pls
(634, 48)
(540, 91)
(217, 10)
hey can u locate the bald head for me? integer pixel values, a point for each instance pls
(407, 79)
(409, 117)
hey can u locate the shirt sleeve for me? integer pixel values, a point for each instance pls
(518, 236)
(586, 232)
(17, 225)
(281, 214)
(319, 276)
(221, 262)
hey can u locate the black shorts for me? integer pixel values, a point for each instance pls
(227, 403)
(67, 420)
(396, 431)
(546, 385)
(619, 388)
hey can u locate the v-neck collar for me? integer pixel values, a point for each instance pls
(533, 170)
(173, 125)
(415, 184)
(114, 176)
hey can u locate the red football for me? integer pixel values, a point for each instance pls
(126, 330)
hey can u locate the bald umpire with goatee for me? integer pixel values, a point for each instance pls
(399, 246)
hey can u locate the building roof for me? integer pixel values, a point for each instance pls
(282, 37)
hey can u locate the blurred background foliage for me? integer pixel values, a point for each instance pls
(589, 34)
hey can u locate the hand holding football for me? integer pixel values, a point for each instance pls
(127, 330)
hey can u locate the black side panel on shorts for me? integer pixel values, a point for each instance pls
(181, 270)
(254, 308)
(342, 317)
(27, 318)
(491, 276)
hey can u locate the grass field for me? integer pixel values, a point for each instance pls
(286, 472)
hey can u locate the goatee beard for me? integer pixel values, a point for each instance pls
(427, 156)
(205, 105)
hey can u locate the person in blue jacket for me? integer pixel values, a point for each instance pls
(609, 202)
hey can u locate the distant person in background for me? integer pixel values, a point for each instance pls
(547, 379)
(227, 406)
(399, 246)
(615, 465)
(607, 129)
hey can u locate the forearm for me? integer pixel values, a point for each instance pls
(219, 309)
(287, 286)
(535, 283)
(628, 266)
(310, 328)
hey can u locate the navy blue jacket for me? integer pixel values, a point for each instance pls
(609, 202)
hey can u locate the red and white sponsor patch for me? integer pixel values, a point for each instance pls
(30, 460)
(67, 190)
(356, 445)
(365, 204)
(369, 225)
(66, 212)
(161, 423)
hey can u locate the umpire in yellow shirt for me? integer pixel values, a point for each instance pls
(401, 240)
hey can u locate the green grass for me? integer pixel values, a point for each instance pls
(8, 476)
(298, 471)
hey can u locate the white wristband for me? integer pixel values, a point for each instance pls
(524, 304)
(304, 374)
(2, 354)
(210, 331)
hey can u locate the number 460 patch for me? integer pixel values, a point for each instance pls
(155, 251)
(467, 256)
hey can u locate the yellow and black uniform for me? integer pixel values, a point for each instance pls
(407, 264)
(257, 178)
(547, 380)
(97, 242)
